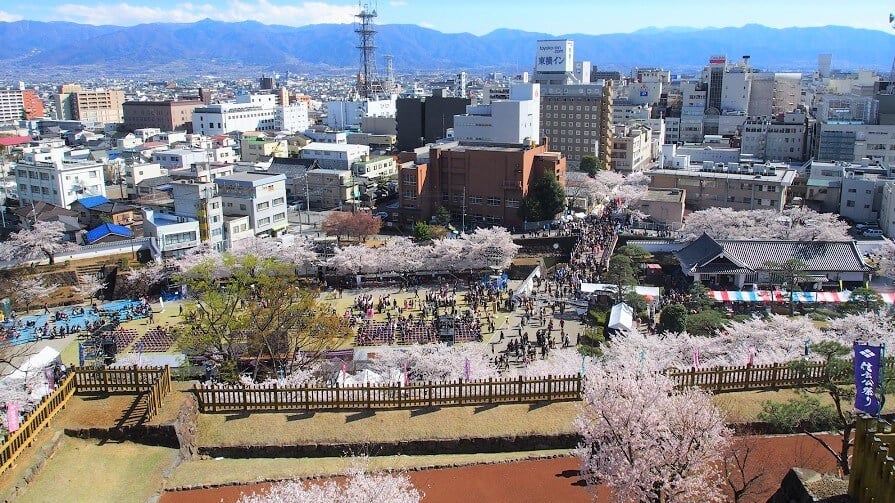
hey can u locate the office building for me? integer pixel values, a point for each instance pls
(170, 115)
(731, 185)
(514, 121)
(780, 138)
(426, 119)
(479, 185)
(335, 155)
(576, 120)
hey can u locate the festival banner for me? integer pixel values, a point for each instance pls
(12, 416)
(868, 360)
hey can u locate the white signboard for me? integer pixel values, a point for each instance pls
(555, 56)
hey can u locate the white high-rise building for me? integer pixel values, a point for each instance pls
(515, 121)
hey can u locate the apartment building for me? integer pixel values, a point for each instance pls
(17, 105)
(731, 185)
(73, 102)
(632, 149)
(201, 202)
(259, 196)
(45, 174)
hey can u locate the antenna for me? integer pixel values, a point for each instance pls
(389, 74)
(367, 81)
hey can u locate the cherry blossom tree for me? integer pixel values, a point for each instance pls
(489, 247)
(795, 224)
(89, 285)
(437, 362)
(647, 441)
(44, 240)
(560, 362)
(884, 259)
(359, 487)
(33, 290)
(140, 280)
(632, 188)
(295, 250)
(870, 327)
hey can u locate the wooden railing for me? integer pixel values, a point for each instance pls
(154, 382)
(872, 477)
(475, 392)
(36, 422)
(223, 398)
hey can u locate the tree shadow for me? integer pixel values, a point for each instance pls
(300, 416)
(568, 474)
(236, 416)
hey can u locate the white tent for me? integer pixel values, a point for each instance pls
(44, 358)
(621, 317)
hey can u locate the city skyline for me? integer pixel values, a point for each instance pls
(575, 16)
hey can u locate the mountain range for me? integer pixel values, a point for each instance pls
(207, 43)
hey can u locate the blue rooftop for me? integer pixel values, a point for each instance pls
(93, 201)
(107, 229)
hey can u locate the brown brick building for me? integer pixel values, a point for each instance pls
(486, 184)
(166, 115)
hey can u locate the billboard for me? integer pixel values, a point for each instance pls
(555, 56)
(718, 60)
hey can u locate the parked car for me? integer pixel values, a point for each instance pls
(872, 233)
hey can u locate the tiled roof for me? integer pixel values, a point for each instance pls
(817, 255)
(706, 255)
(107, 229)
(9, 141)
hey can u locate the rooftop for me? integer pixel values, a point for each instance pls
(250, 177)
(107, 229)
(664, 195)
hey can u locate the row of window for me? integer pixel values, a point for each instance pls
(573, 108)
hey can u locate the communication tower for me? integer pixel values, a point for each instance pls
(368, 84)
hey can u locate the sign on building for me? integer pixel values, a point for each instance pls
(555, 56)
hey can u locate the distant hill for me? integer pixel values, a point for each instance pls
(38, 45)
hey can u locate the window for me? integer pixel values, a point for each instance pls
(850, 204)
(475, 200)
(278, 201)
(512, 203)
(264, 221)
(279, 217)
(181, 237)
(242, 207)
(493, 201)
(852, 191)
(92, 174)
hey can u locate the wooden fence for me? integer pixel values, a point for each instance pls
(153, 382)
(872, 478)
(474, 392)
(223, 398)
(35, 422)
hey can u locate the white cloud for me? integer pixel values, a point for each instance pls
(263, 11)
(397, 3)
(9, 17)
(426, 25)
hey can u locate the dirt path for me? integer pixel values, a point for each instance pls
(556, 479)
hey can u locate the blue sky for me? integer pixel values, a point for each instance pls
(475, 16)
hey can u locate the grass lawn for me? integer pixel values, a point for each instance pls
(83, 471)
(385, 426)
(241, 471)
(745, 406)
